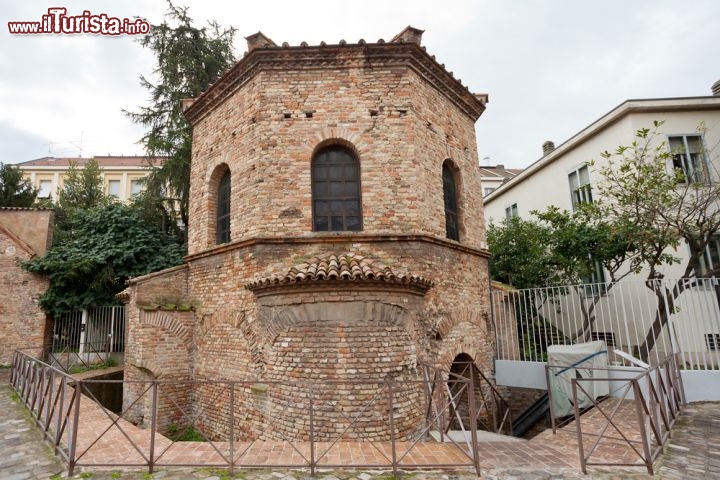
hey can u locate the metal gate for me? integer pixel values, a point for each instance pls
(88, 337)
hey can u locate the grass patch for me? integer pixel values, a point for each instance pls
(110, 362)
(188, 434)
(222, 474)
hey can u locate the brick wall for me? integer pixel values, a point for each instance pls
(33, 225)
(22, 321)
(236, 336)
(158, 347)
(401, 128)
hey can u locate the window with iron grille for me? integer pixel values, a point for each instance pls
(607, 337)
(336, 190)
(451, 207)
(580, 189)
(712, 341)
(710, 259)
(689, 158)
(595, 283)
(222, 230)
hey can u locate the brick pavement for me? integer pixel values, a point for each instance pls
(694, 449)
(694, 452)
(24, 453)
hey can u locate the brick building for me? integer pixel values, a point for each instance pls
(24, 233)
(336, 234)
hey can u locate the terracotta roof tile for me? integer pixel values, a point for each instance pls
(344, 267)
(103, 161)
(499, 171)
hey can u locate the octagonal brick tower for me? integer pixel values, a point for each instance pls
(336, 231)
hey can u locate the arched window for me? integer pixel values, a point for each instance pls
(451, 205)
(336, 190)
(222, 225)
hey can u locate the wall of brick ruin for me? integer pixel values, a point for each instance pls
(24, 233)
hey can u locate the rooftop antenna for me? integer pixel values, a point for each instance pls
(78, 146)
(74, 144)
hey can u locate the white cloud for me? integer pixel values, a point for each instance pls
(550, 67)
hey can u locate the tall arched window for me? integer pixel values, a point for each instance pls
(336, 190)
(452, 230)
(222, 225)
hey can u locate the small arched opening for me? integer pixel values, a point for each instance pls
(459, 391)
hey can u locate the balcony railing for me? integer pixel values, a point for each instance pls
(396, 424)
(647, 319)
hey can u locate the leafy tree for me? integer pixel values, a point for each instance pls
(665, 207)
(15, 191)
(82, 190)
(189, 59)
(83, 187)
(559, 249)
(519, 253)
(109, 243)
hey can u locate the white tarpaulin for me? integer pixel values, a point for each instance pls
(576, 361)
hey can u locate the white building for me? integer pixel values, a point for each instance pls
(492, 176)
(562, 177)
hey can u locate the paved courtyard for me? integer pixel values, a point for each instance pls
(694, 452)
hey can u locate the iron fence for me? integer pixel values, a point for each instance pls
(647, 319)
(655, 396)
(87, 337)
(155, 424)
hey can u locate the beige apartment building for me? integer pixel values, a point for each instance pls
(122, 176)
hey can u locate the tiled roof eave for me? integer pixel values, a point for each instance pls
(269, 285)
(345, 270)
(325, 57)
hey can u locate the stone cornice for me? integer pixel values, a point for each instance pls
(374, 55)
(335, 286)
(338, 238)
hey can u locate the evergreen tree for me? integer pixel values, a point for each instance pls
(188, 60)
(82, 190)
(15, 191)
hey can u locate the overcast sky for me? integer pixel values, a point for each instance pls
(550, 67)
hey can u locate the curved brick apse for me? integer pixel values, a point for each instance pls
(336, 233)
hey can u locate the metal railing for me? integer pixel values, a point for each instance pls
(493, 412)
(403, 417)
(647, 319)
(634, 422)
